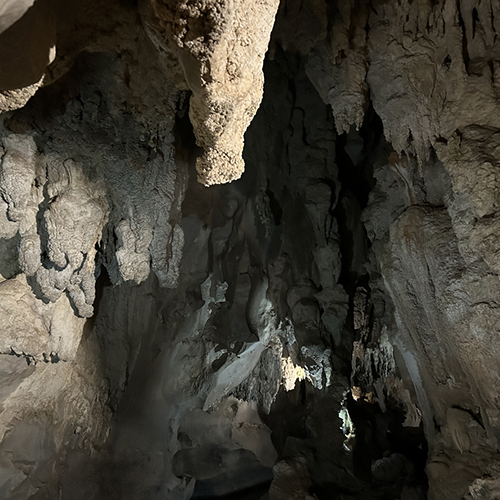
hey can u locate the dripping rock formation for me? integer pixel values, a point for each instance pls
(249, 249)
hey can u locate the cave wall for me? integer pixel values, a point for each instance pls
(323, 326)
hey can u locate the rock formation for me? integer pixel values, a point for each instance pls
(249, 249)
(220, 46)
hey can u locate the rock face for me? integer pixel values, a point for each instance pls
(249, 249)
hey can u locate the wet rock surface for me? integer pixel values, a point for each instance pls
(322, 327)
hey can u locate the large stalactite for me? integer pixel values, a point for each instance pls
(249, 249)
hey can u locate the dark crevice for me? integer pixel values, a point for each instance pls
(476, 416)
(275, 207)
(465, 49)
(356, 184)
(252, 493)
(491, 66)
(475, 22)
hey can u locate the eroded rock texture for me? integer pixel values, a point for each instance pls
(323, 327)
(220, 46)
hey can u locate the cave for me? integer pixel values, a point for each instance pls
(249, 250)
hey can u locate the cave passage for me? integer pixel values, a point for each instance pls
(249, 250)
